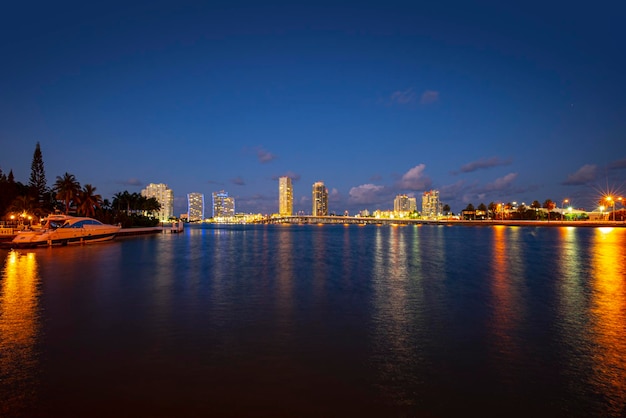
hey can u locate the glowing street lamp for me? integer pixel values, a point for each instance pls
(611, 202)
(563, 207)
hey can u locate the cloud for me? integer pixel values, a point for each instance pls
(483, 163)
(618, 165)
(264, 156)
(365, 193)
(403, 97)
(452, 191)
(414, 179)
(293, 176)
(499, 184)
(334, 195)
(238, 181)
(429, 96)
(584, 175)
(131, 182)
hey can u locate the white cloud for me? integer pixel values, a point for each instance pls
(365, 193)
(429, 96)
(415, 179)
(584, 175)
(501, 183)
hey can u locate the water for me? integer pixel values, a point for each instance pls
(318, 321)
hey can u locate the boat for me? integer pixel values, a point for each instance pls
(64, 230)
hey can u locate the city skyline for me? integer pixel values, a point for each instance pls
(489, 102)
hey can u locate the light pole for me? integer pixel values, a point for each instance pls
(611, 202)
(563, 208)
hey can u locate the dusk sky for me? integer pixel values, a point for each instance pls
(484, 102)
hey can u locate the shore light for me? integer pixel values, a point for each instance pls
(611, 202)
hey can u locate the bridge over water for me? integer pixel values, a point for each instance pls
(310, 219)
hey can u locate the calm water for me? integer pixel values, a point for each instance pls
(318, 321)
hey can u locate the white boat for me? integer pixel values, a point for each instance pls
(65, 229)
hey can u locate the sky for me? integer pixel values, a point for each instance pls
(483, 101)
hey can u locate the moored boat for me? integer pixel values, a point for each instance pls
(64, 230)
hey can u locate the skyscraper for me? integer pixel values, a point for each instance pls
(320, 199)
(195, 207)
(165, 196)
(401, 203)
(285, 196)
(431, 206)
(223, 205)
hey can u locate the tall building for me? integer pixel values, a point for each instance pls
(431, 206)
(402, 203)
(195, 207)
(165, 196)
(320, 199)
(223, 205)
(285, 196)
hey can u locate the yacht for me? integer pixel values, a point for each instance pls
(65, 229)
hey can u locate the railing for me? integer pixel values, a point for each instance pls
(7, 231)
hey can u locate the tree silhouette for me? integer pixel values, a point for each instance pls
(67, 189)
(88, 201)
(37, 180)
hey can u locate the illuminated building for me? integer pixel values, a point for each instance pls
(165, 197)
(195, 207)
(431, 206)
(320, 199)
(223, 205)
(403, 203)
(285, 196)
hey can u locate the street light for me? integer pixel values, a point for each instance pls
(563, 207)
(611, 201)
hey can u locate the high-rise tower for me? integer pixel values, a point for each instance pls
(285, 196)
(195, 207)
(165, 196)
(431, 206)
(320, 199)
(223, 205)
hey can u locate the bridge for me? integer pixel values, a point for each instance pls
(312, 219)
(348, 220)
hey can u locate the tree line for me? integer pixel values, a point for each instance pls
(37, 200)
(533, 212)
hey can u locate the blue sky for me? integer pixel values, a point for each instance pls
(484, 102)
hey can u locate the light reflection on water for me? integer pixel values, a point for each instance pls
(608, 319)
(19, 333)
(320, 320)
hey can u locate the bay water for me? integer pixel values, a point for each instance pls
(318, 320)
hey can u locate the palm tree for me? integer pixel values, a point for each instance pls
(67, 189)
(122, 201)
(536, 206)
(470, 211)
(492, 209)
(23, 204)
(88, 201)
(483, 208)
(151, 205)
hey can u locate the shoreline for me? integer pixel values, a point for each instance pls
(583, 224)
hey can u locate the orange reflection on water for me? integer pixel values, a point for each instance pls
(19, 324)
(609, 315)
(505, 315)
